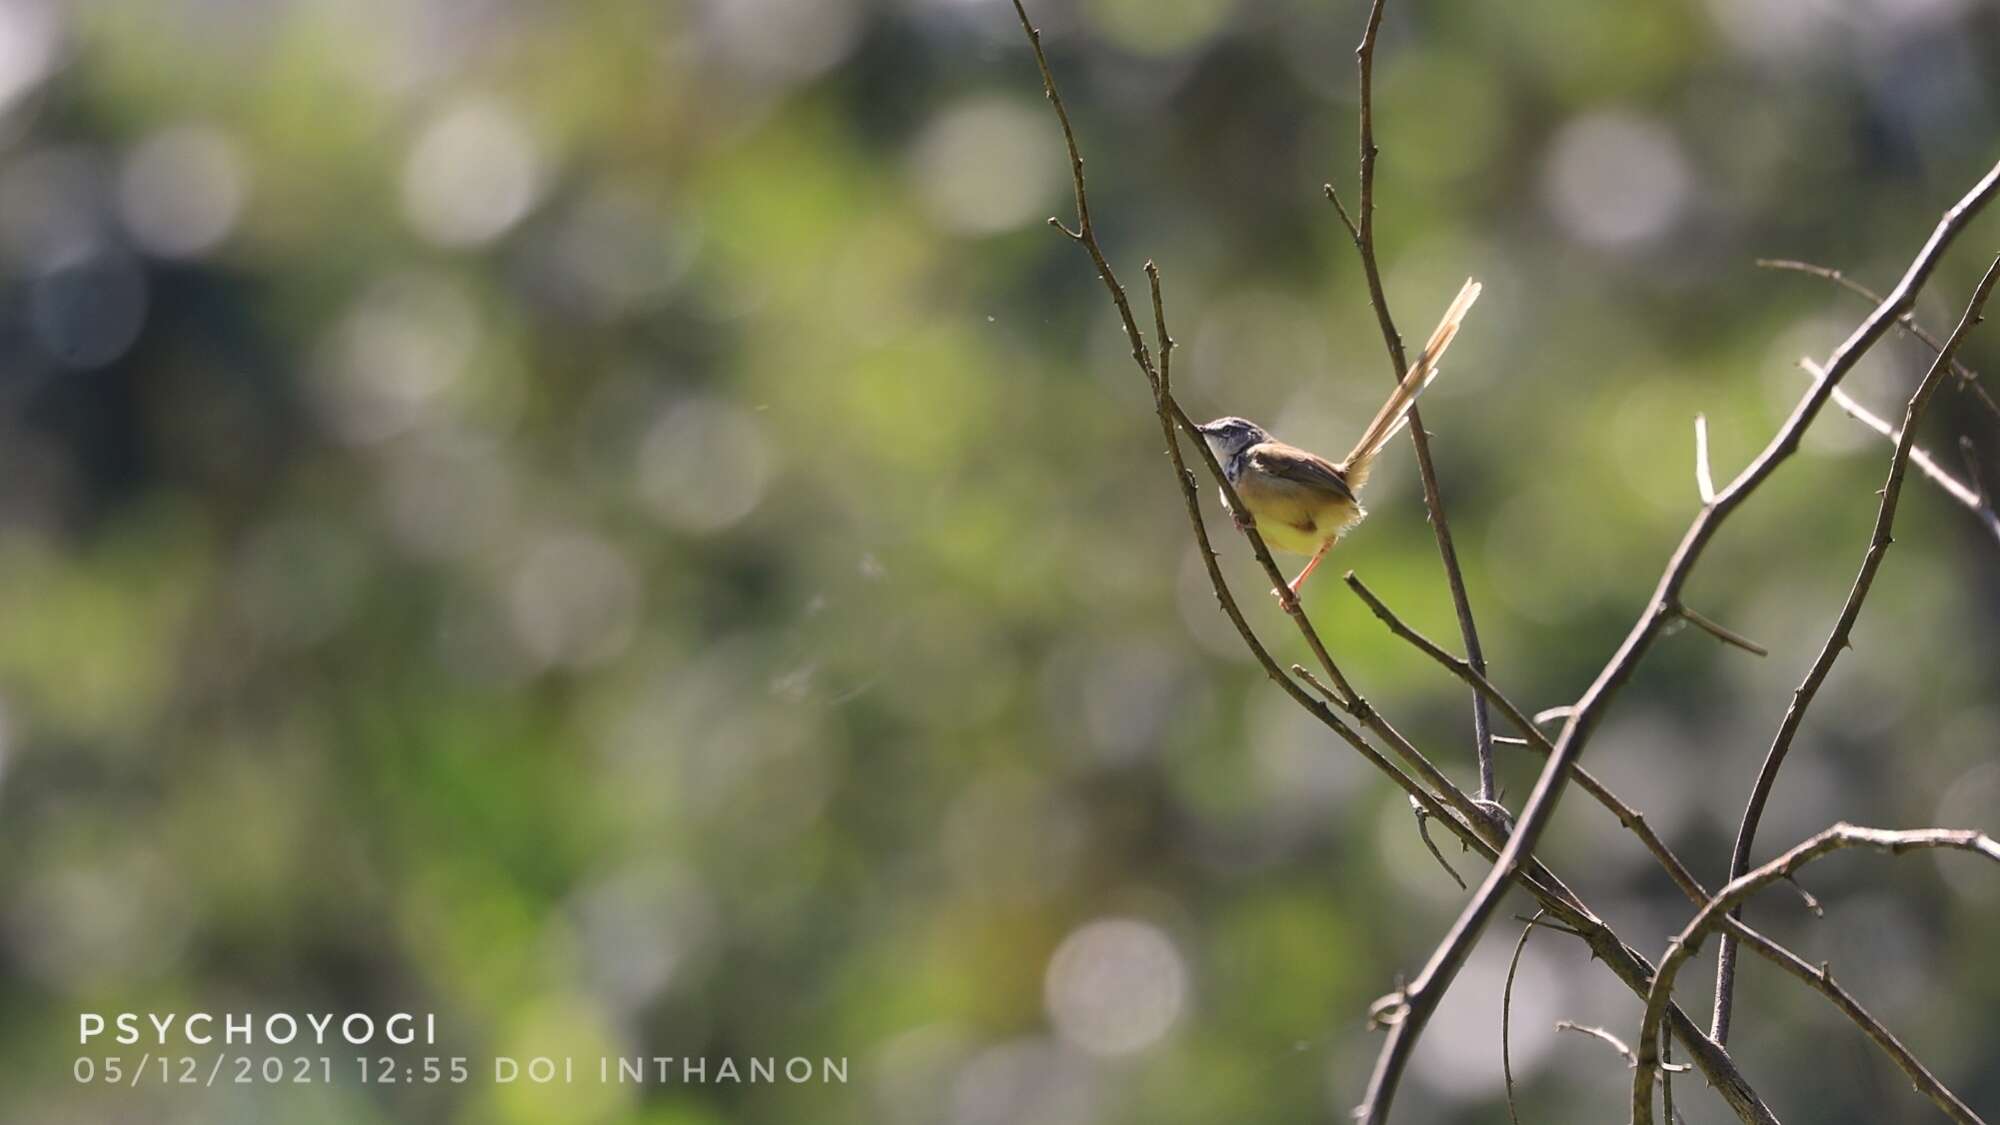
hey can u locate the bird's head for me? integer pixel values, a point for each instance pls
(1228, 437)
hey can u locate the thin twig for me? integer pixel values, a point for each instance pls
(1362, 227)
(1806, 896)
(1424, 833)
(1085, 234)
(1610, 1040)
(1838, 638)
(1507, 1016)
(1678, 871)
(1340, 208)
(1533, 737)
(1170, 413)
(1472, 827)
(1428, 988)
(1726, 636)
(1968, 379)
(1971, 495)
(1704, 479)
(1713, 915)
(1740, 1097)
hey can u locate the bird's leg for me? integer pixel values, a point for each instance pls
(1312, 563)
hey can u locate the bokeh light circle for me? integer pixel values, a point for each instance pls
(1115, 986)
(473, 173)
(181, 190)
(705, 466)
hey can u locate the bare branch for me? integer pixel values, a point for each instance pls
(1715, 914)
(1610, 1040)
(1170, 414)
(1968, 379)
(1507, 1016)
(1726, 636)
(1466, 818)
(1424, 832)
(1838, 639)
(1346, 220)
(1428, 988)
(1085, 235)
(1534, 738)
(1362, 227)
(1603, 944)
(1971, 495)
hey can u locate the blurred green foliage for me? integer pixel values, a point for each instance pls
(617, 523)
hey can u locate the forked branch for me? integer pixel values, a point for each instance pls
(1429, 986)
(1815, 977)
(1688, 942)
(1361, 227)
(1843, 627)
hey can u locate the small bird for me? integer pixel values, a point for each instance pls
(1299, 501)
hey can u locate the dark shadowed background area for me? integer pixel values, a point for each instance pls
(617, 523)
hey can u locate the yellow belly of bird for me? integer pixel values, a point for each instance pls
(1296, 519)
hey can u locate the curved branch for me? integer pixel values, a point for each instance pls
(1507, 1016)
(1971, 495)
(1466, 819)
(1362, 228)
(1688, 942)
(1428, 988)
(1814, 977)
(1838, 639)
(1968, 379)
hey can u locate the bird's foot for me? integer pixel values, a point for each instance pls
(1243, 521)
(1288, 600)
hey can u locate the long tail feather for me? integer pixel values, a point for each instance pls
(1395, 413)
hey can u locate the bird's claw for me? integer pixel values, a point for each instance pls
(1287, 600)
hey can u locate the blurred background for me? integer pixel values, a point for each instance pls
(617, 523)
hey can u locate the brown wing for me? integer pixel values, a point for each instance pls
(1290, 463)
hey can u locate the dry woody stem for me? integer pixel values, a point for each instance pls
(1428, 988)
(1476, 821)
(1711, 916)
(1839, 638)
